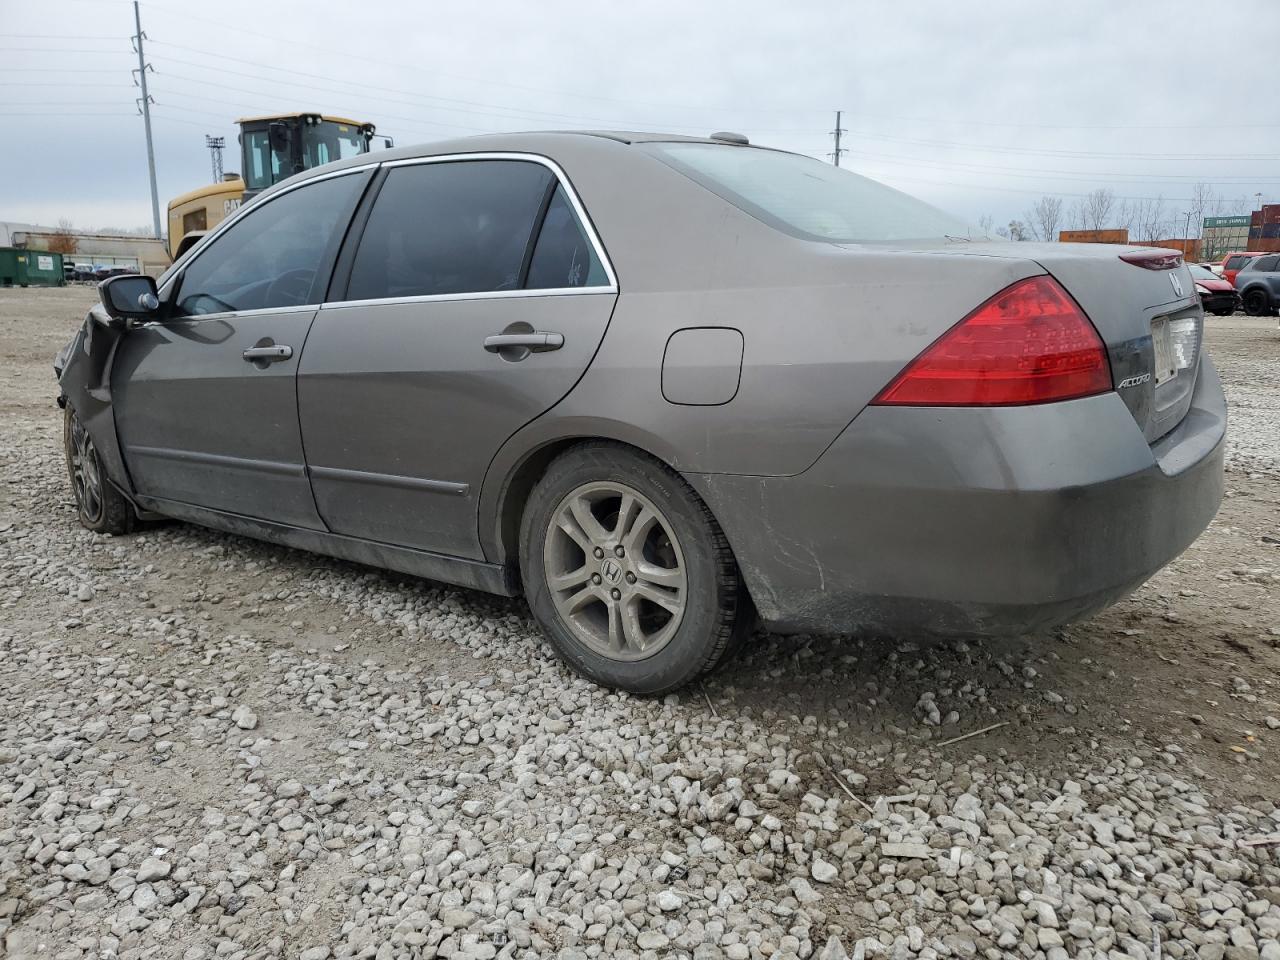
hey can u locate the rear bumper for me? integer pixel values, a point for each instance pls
(965, 521)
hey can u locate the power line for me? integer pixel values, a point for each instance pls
(515, 113)
(1053, 173)
(56, 36)
(88, 113)
(55, 70)
(1071, 154)
(54, 50)
(348, 54)
(416, 99)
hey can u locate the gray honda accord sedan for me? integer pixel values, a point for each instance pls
(663, 386)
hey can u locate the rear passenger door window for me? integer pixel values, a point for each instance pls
(458, 227)
(563, 255)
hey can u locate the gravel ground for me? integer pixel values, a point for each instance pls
(213, 747)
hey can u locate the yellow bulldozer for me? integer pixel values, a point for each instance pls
(271, 149)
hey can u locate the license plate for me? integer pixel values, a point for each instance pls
(1166, 360)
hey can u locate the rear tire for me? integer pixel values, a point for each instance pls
(100, 507)
(628, 573)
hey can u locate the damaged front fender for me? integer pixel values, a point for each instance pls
(83, 368)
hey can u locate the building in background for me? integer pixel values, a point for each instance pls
(1223, 235)
(136, 254)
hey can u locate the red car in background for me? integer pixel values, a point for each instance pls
(1232, 263)
(1217, 296)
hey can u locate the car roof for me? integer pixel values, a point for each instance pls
(531, 141)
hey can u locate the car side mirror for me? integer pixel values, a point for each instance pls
(130, 296)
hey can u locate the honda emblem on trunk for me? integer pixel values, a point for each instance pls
(1177, 284)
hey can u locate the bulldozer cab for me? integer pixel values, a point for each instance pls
(275, 148)
(271, 149)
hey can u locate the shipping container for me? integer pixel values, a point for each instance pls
(30, 268)
(1255, 218)
(1190, 249)
(1270, 213)
(1270, 230)
(1271, 245)
(1093, 236)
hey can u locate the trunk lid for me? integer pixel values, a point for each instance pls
(1150, 320)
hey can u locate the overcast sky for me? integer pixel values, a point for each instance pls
(978, 107)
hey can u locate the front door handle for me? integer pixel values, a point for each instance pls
(273, 353)
(538, 341)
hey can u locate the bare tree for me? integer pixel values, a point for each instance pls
(1241, 205)
(1017, 230)
(1204, 203)
(64, 239)
(1043, 218)
(1124, 215)
(1097, 208)
(1151, 219)
(985, 222)
(1075, 216)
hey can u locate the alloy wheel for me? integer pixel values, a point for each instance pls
(615, 570)
(86, 473)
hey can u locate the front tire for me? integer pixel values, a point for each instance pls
(1255, 303)
(100, 507)
(628, 573)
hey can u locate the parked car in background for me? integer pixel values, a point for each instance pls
(659, 385)
(1214, 268)
(1217, 296)
(84, 271)
(1232, 263)
(1258, 282)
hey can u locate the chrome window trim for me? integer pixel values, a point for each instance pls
(579, 211)
(479, 295)
(237, 314)
(191, 255)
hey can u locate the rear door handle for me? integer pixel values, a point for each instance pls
(271, 354)
(539, 341)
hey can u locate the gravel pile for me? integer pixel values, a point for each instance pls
(212, 748)
(174, 789)
(1247, 350)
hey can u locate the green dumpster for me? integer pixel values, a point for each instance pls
(30, 268)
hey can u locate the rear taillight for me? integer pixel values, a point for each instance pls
(1030, 343)
(1153, 258)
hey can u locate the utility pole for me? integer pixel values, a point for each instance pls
(144, 105)
(215, 145)
(835, 154)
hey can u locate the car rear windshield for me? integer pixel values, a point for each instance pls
(1202, 273)
(808, 198)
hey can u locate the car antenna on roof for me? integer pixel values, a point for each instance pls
(726, 137)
